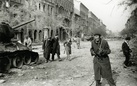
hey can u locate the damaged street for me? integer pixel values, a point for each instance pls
(77, 72)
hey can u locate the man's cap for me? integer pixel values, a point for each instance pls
(127, 38)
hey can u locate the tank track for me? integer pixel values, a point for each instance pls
(17, 59)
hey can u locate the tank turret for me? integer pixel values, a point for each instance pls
(7, 32)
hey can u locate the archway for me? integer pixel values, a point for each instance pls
(60, 33)
(51, 33)
(46, 32)
(40, 35)
(64, 35)
(30, 34)
(57, 32)
(35, 35)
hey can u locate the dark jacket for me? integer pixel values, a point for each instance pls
(125, 48)
(47, 46)
(56, 46)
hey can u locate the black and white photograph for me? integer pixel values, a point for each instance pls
(68, 42)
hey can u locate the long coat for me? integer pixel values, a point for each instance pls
(47, 46)
(102, 67)
(56, 46)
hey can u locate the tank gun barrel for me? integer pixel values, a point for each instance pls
(23, 23)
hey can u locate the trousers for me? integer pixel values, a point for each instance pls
(102, 69)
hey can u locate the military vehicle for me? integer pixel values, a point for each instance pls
(13, 53)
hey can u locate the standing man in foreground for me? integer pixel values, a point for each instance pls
(102, 68)
(126, 51)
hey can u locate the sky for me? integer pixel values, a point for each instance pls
(112, 15)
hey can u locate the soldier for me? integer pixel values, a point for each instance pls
(28, 42)
(126, 51)
(56, 47)
(47, 47)
(102, 68)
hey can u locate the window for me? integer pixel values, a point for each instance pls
(56, 10)
(51, 10)
(48, 10)
(0, 4)
(61, 10)
(39, 6)
(44, 8)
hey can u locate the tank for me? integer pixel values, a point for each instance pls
(13, 53)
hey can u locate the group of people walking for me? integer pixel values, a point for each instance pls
(51, 46)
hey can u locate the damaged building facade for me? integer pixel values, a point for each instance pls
(80, 18)
(66, 18)
(95, 24)
(21, 11)
(51, 17)
(93, 21)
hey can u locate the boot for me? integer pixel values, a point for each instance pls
(98, 83)
(59, 59)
